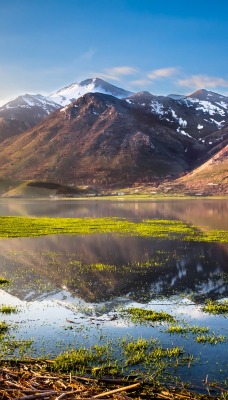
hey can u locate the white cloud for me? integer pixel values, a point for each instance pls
(140, 82)
(203, 81)
(106, 76)
(121, 71)
(116, 73)
(162, 73)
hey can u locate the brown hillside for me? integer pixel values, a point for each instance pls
(209, 178)
(98, 139)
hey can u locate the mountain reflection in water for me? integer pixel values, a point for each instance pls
(140, 268)
(212, 213)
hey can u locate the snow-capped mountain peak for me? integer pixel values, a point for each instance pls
(30, 101)
(23, 113)
(72, 92)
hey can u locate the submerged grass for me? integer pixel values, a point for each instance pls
(172, 229)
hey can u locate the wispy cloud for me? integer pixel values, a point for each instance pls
(140, 82)
(121, 71)
(116, 73)
(203, 81)
(106, 76)
(162, 73)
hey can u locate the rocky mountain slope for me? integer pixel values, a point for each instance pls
(210, 178)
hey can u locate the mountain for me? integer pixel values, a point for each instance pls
(72, 92)
(23, 113)
(209, 178)
(100, 139)
(214, 106)
(26, 111)
(175, 96)
(110, 139)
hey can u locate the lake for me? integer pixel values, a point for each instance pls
(73, 290)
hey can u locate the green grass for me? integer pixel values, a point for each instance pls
(211, 339)
(120, 357)
(148, 316)
(3, 281)
(4, 327)
(178, 329)
(170, 229)
(213, 307)
(5, 309)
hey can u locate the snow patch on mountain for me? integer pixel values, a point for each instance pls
(208, 107)
(183, 132)
(182, 122)
(218, 124)
(29, 101)
(157, 107)
(222, 104)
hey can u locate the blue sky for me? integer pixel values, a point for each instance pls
(160, 46)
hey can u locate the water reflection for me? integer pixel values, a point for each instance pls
(140, 268)
(202, 212)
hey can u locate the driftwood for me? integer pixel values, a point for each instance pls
(24, 381)
(122, 389)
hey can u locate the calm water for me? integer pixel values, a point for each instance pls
(52, 289)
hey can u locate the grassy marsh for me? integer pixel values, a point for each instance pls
(121, 357)
(159, 228)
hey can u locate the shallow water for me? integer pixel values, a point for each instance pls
(53, 282)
